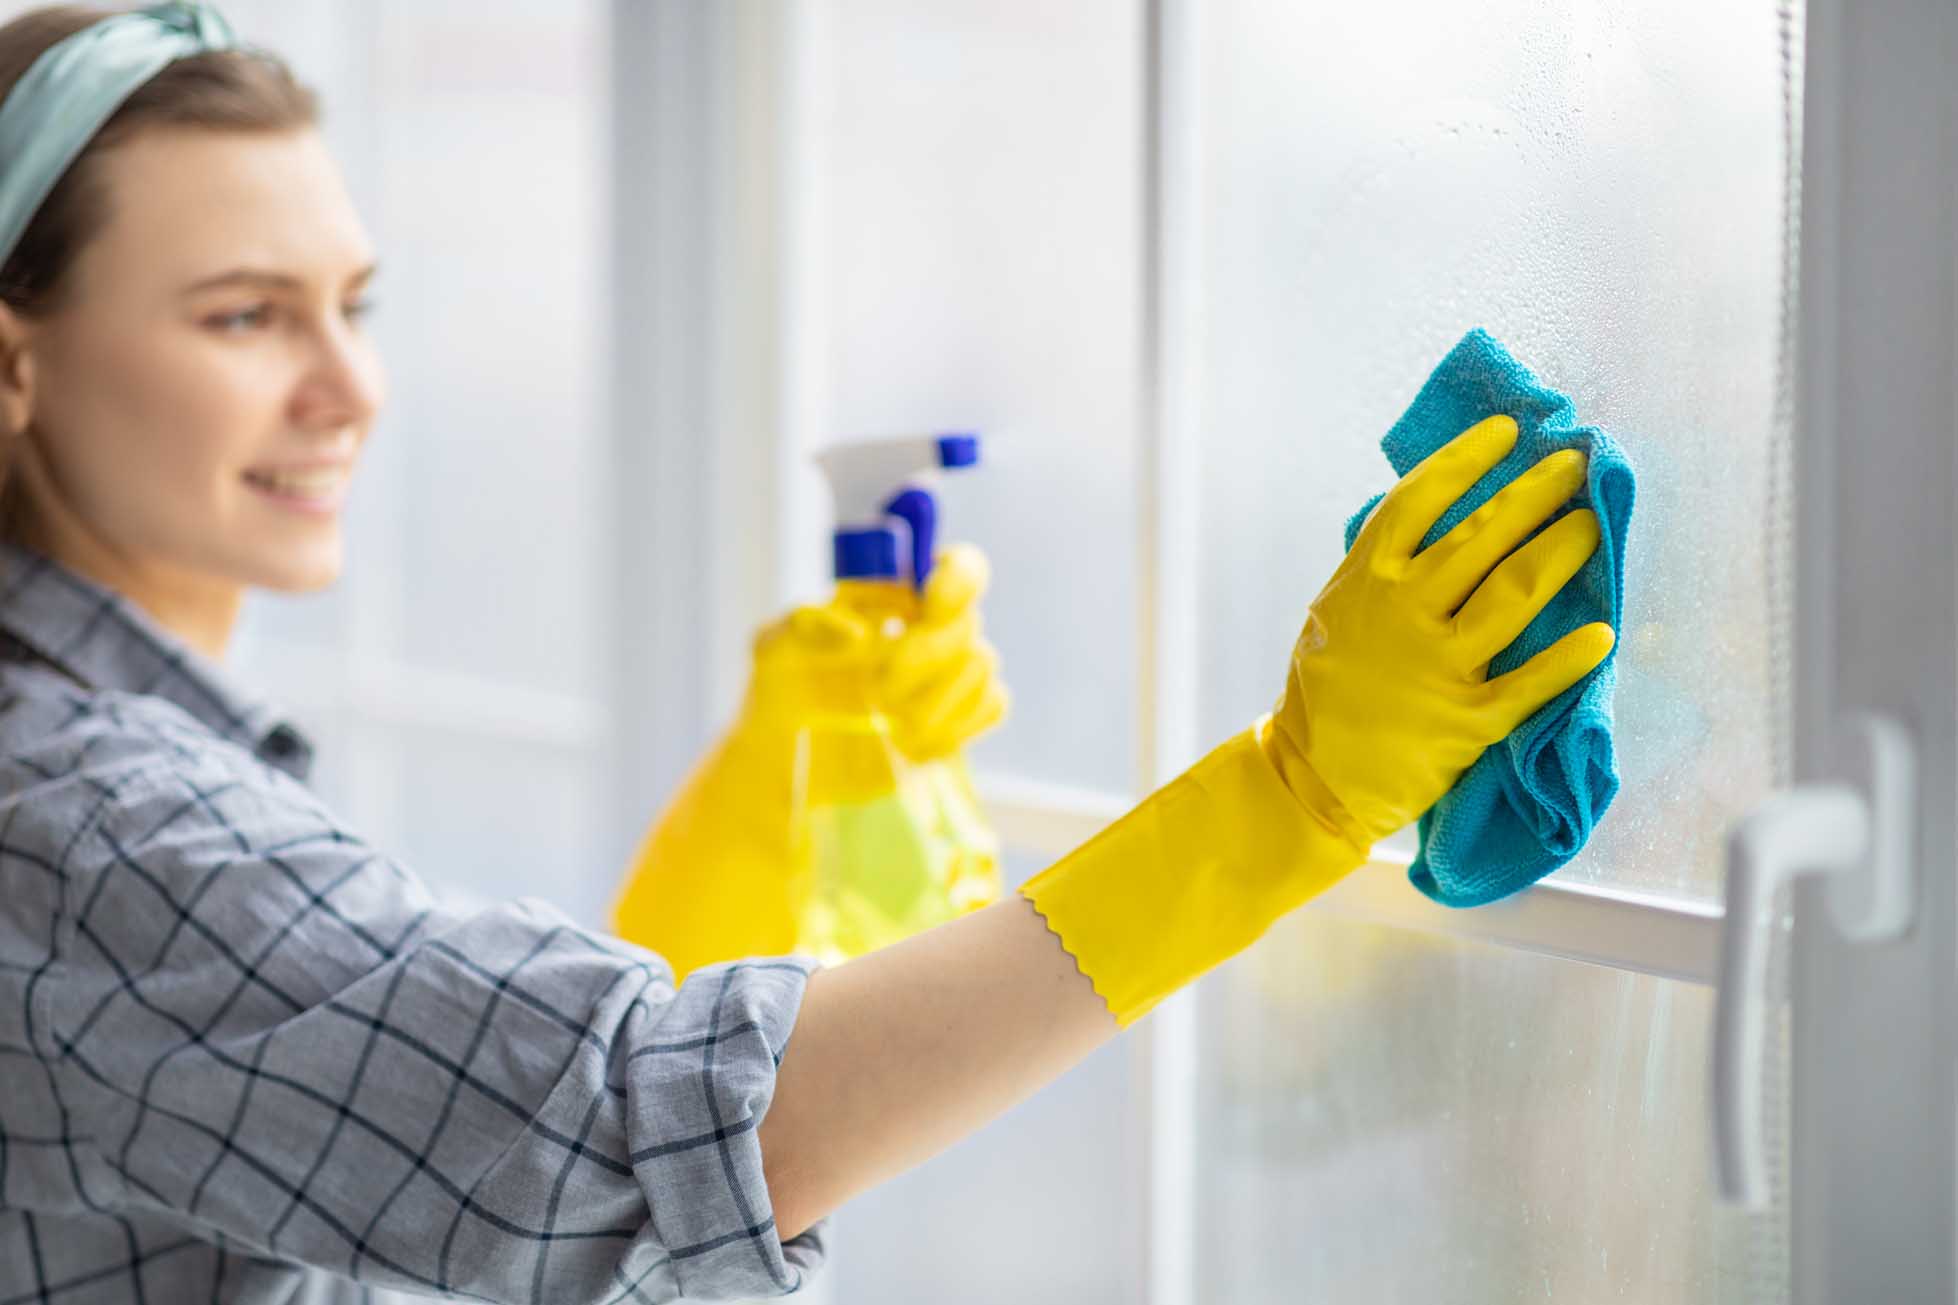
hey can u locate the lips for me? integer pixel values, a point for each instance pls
(301, 482)
(314, 490)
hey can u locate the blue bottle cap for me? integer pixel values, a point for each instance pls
(866, 554)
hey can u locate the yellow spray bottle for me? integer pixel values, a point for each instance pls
(814, 825)
(894, 843)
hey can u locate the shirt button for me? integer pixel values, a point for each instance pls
(281, 742)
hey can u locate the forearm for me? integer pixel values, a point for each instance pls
(898, 1054)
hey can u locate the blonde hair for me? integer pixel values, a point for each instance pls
(248, 90)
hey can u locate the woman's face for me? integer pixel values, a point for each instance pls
(199, 401)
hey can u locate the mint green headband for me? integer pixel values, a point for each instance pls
(74, 87)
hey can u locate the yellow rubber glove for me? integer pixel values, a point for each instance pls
(1387, 702)
(721, 873)
(939, 680)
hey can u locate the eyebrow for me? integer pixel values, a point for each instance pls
(260, 276)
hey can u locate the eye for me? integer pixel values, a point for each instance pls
(251, 317)
(360, 309)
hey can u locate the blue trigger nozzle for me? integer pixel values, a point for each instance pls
(919, 510)
(959, 449)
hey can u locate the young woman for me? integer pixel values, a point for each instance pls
(245, 1056)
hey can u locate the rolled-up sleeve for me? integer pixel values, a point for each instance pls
(270, 1032)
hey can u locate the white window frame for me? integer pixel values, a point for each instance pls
(1874, 1069)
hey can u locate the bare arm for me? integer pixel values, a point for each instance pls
(898, 1054)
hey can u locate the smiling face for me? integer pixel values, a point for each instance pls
(195, 406)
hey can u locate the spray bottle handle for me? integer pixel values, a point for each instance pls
(918, 510)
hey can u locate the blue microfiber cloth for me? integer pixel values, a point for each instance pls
(1529, 803)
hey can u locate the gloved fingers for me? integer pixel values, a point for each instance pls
(1419, 498)
(946, 628)
(983, 714)
(927, 711)
(1523, 586)
(1449, 570)
(994, 705)
(927, 653)
(821, 631)
(983, 706)
(827, 630)
(1514, 697)
(959, 579)
(793, 652)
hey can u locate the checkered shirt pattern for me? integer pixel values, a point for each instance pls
(247, 1057)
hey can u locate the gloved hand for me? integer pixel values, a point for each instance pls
(938, 680)
(919, 659)
(1386, 703)
(721, 872)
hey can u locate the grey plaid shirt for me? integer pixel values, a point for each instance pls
(244, 1056)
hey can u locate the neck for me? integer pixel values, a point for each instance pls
(202, 610)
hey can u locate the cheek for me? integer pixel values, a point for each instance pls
(174, 412)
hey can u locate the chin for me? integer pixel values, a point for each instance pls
(299, 572)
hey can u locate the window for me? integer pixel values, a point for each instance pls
(1603, 188)
(1182, 263)
(1419, 1101)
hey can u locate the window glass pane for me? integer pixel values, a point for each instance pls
(979, 268)
(1598, 184)
(1385, 1116)
(490, 192)
(475, 524)
(486, 820)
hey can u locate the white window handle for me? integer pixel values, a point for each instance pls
(1859, 831)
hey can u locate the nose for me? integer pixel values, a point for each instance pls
(345, 383)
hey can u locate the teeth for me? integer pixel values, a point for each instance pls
(306, 484)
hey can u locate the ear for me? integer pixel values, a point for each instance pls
(16, 372)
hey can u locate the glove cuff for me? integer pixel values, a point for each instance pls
(1193, 875)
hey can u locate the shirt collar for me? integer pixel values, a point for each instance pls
(101, 639)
